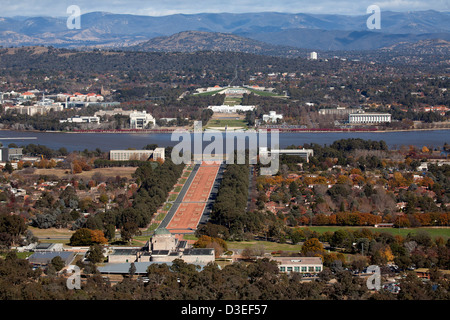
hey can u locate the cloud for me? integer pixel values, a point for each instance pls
(166, 7)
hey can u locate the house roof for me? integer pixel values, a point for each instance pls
(299, 260)
(46, 257)
(123, 268)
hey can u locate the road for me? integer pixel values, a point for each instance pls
(179, 198)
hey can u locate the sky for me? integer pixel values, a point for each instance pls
(58, 8)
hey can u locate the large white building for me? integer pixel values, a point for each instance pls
(272, 117)
(313, 55)
(163, 247)
(368, 118)
(82, 119)
(140, 120)
(339, 111)
(144, 155)
(231, 109)
(304, 153)
(111, 113)
(36, 109)
(299, 264)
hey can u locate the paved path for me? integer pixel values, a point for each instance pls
(190, 211)
(179, 198)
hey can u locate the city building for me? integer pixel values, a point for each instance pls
(140, 120)
(231, 109)
(313, 55)
(125, 155)
(42, 259)
(339, 111)
(82, 119)
(272, 117)
(235, 92)
(28, 95)
(80, 97)
(162, 247)
(368, 118)
(299, 264)
(39, 108)
(116, 271)
(10, 154)
(304, 153)
(159, 154)
(144, 155)
(48, 247)
(113, 112)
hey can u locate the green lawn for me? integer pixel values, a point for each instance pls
(20, 255)
(186, 174)
(210, 93)
(232, 101)
(433, 232)
(265, 93)
(226, 122)
(268, 245)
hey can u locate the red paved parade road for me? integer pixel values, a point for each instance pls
(190, 211)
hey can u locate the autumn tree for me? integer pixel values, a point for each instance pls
(312, 247)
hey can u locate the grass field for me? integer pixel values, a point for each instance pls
(433, 232)
(231, 123)
(51, 232)
(232, 101)
(107, 172)
(264, 93)
(268, 245)
(210, 93)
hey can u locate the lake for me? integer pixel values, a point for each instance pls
(110, 141)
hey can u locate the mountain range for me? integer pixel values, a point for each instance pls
(249, 32)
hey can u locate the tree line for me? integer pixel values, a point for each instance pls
(154, 186)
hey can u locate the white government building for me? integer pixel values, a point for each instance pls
(140, 120)
(357, 118)
(304, 153)
(272, 116)
(299, 264)
(144, 155)
(231, 109)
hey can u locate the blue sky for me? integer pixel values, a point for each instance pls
(166, 7)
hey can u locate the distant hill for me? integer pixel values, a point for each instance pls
(434, 46)
(192, 41)
(340, 39)
(300, 30)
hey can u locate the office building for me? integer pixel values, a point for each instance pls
(368, 118)
(299, 264)
(140, 120)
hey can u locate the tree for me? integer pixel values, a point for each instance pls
(95, 253)
(103, 198)
(81, 237)
(132, 269)
(412, 288)
(219, 245)
(97, 236)
(8, 167)
(57, 263)
(76, 168)
(312, 247)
